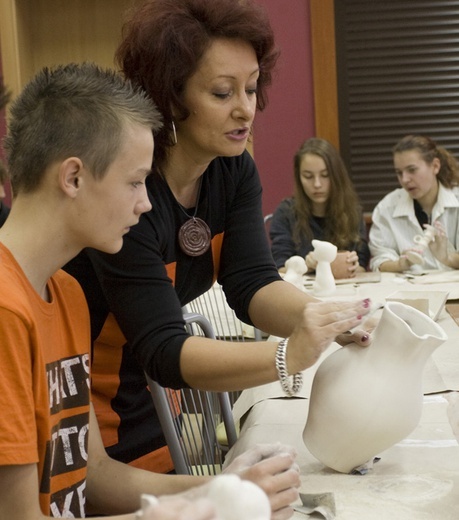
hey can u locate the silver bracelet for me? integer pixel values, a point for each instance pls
(289, 387)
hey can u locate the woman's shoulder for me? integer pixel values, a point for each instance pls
(393, 197)
(238, 164)
(448, 197)
(285, 204)
(284, 212)
(454, 190)
(233, 175)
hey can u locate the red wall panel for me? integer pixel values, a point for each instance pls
(289, 118)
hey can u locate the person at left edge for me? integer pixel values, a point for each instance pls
(4, 209)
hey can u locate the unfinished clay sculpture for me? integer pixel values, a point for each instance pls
(295, 269)
(364, 400)
(416, 254)
(233, 498)
(324, 253)
(237, 499)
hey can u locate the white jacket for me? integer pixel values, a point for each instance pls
(395, 225)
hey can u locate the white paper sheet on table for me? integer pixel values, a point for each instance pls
(367, 277)
(436, 277)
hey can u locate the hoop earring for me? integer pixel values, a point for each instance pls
(174, 133)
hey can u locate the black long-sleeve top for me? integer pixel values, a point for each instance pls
(146, 284)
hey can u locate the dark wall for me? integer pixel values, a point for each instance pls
(398, 74)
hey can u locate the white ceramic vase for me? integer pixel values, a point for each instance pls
(295, 269)
(366, 399)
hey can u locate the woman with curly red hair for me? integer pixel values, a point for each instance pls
(207, 65)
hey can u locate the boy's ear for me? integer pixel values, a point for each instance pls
(70, 176)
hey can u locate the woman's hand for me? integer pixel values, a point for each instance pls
(440, 246)
(272, 467)
(403, 263)
(353, 261)
(321, 323)
(360, 336)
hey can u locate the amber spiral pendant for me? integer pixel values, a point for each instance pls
(194, 237)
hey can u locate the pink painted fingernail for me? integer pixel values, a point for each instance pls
(365, 337)
(359, 317)
(366, 303)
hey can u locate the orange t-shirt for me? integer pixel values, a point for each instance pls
(44, 388)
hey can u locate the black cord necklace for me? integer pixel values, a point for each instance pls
(194, 235)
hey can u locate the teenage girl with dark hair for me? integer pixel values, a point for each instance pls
(325, 206)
